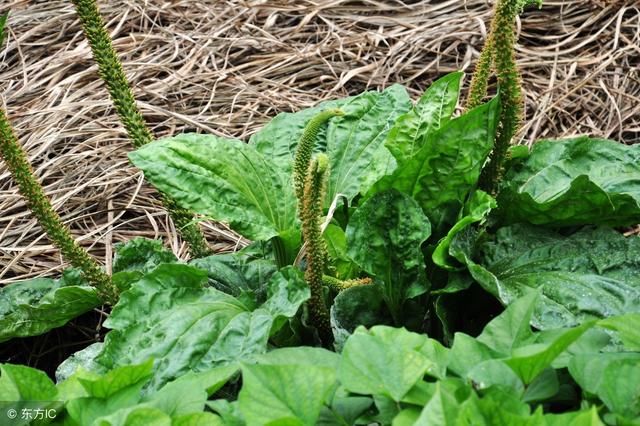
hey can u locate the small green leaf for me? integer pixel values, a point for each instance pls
(475, 210)
(511, 328)
(117, 390)
(388, 361)
(628, 328)
(21, 383)
(141, 255)
(384, 237)
(446, 169)
(33, 307)
(291, 394)
(529, 361)
(433, 109)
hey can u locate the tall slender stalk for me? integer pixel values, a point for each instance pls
(29, 187)
(499, 51)
(111, 72)
(311, 215)
(305, 149)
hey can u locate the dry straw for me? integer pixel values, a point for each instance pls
(226, 67)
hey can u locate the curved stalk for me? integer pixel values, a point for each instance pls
(313, 200)
(37, 201)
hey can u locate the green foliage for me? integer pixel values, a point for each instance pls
(589, 274)
(433, 109)
(33, 307)
(508, 375)
(441, 174)
(574, 182)
(172, 306)
(411, 242)
(384, 238)
(354, 142)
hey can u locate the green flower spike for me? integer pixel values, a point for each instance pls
(111, 72)
(499, 50)
(22, 173)
(305, 149)
(311, 214)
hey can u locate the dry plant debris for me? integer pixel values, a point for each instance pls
(226, 67)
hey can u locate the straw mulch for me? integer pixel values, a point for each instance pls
(226, 67)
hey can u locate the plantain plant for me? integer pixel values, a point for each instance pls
(112, 73)
(396, 240)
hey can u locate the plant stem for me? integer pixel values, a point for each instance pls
(313, 200)
(37, 201)
(279, 252)
(499, 48)
(111, 72)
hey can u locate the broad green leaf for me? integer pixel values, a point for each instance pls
(33, 307)
(141, 255)
(22, 383)
(628, 328)
(545, 386)
(590, 274)
(354, 142)
(279, 138)
(433, 109)
(171, 317)
(574, 418)
(118, 389)
(511, 328)
(355, 306)
(134, 416)
(446, 169)
(444, 407)
(387, 361)
(613, 377)
(475, 210)
(384, 237)
(238, 274)
(188, 393)
(290, 394)
(494, 372)
(468, 352)
(300, 355)
(224, 179)
(529, 361)
(574, 182)
(344, 410)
